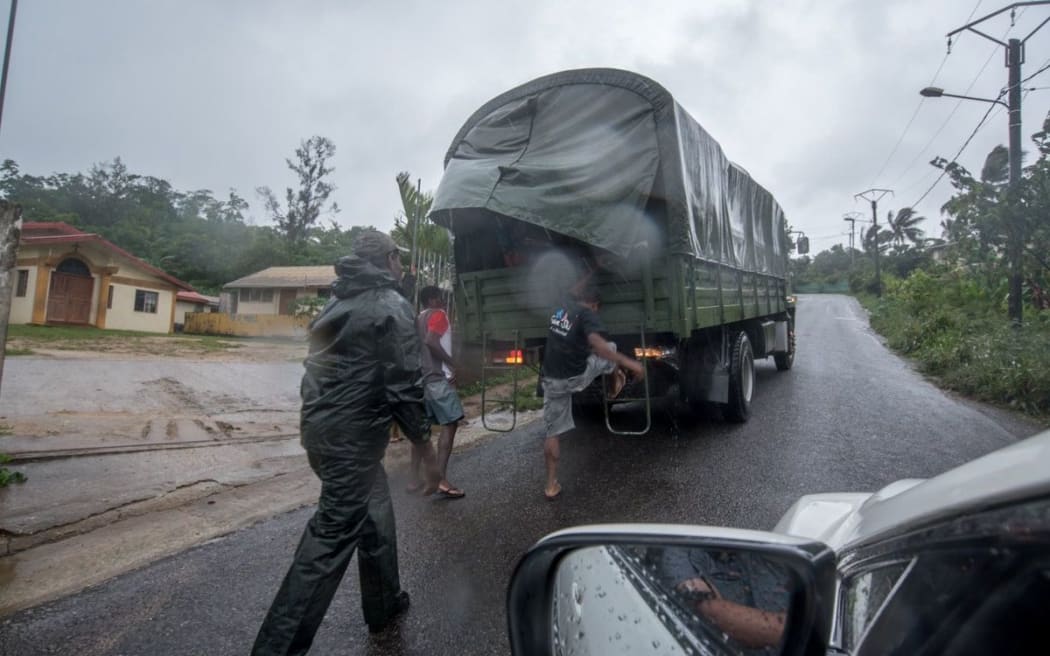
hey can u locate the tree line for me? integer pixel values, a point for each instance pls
(201, 237)
(975, 231)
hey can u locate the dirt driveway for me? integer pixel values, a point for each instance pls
(142, 390)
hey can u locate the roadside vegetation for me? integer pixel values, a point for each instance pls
(206, 239)
(501, 387)
(8, 476)
(945, 300)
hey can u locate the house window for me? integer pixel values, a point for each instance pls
(256, 296)
(109, 298)
(23, 283)
(146, 301)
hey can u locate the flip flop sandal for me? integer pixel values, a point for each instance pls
(554, 497)
(451, 493)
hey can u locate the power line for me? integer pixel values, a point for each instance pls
(987, 114)
(933, 80)
(1045, 67)
(959, 103)
(920, 181)
(947, 120)
(965, 144)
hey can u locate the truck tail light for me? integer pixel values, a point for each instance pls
(654, 352)
(512, 356)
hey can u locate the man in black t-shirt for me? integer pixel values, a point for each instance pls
(576, 354)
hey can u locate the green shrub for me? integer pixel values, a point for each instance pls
(8, 476)
(955, 327)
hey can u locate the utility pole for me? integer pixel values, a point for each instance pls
(874, 196)
(1014, 50)
(852, 217)
(10, 214)
(10, 233)
(7, 54)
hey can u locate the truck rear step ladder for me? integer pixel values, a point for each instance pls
(486, 367)
(647, 399)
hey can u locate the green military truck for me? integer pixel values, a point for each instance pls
(601, 169)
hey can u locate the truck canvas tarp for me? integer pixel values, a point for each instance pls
(602, 170)
(583, 153)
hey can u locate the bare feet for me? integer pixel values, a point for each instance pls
(552, 493)
(617, 380)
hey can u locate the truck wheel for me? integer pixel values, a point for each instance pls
(741, 380)
(784, 361)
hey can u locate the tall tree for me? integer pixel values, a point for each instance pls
(304, 206)
(875, 235)
(904, 227)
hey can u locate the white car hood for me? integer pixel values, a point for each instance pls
(846, 520)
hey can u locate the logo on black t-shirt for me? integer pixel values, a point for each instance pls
(561, 323)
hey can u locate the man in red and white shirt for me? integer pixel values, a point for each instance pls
(439, 377)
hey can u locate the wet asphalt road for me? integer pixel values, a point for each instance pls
(849, 417)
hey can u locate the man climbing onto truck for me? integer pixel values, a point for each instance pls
(575, 354)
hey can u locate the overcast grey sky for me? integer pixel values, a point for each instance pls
(810, 97)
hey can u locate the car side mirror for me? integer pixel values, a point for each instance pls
(659, 589)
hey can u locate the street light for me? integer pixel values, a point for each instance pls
(1015, 53)
(937, 92)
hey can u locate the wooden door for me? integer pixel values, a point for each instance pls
(69, 300)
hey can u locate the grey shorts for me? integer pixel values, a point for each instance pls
(442, 402)
(557, 394)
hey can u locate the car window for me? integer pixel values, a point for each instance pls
(977, 584)
(864, 596)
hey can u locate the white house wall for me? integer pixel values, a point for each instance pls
(122, 316)
(22, 308)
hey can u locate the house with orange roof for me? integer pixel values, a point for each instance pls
(64, 276)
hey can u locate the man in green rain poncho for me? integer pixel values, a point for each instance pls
(362, 373)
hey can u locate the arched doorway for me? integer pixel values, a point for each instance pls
(69, 297)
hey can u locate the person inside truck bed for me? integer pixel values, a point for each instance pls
(575, 354)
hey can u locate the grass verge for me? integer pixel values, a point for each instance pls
(961, 338)
(80, 338)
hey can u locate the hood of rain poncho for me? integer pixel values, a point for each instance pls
(356, 275)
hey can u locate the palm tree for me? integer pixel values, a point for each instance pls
(415, 204)
(873, 234)
(904, 228)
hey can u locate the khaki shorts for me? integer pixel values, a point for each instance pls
(557, 394)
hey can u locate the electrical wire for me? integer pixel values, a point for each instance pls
(991, 55)
(1046, 66)
(961, 149)
(904, 133)
(991, 108)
